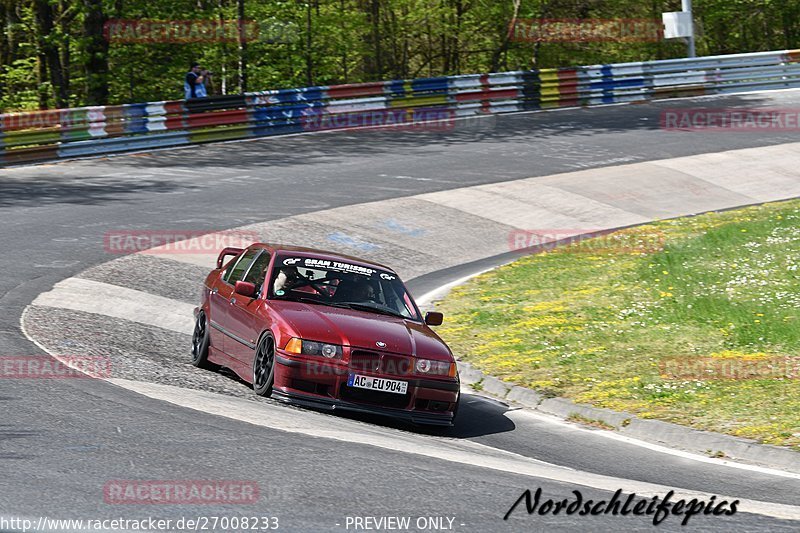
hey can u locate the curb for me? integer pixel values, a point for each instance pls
(706, 443)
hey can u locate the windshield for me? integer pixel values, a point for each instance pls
(340, 284)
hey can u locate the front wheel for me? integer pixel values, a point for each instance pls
(264, 366)
(200, 344)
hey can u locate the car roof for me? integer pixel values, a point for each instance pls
(321, 254)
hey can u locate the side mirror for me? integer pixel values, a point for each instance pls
(433, 318)
(245, 288)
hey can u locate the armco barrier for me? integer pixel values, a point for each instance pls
(68, 133)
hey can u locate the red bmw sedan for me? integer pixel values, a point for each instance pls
(324, 330)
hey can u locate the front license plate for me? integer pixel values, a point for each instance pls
(381, 384)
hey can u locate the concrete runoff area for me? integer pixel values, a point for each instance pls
(71, 436)
(420, 234)
(431, 232)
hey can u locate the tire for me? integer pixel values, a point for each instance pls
(264, 366)
(200, 343)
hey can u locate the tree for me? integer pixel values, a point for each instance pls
(55, 53)
(49, 52)
(96, 51)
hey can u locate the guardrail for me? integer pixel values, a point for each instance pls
(86, 131)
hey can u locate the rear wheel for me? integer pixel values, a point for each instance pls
(200, 343)
(264, 366)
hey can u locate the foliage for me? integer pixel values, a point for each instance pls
(53, 51)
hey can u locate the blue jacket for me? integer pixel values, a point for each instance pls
(193, 89)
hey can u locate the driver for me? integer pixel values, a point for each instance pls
(286, 277)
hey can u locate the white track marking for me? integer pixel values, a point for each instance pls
(456, 451)
(427, 299)
(105, 299)
(523, 413)
(58, 263)
(411, 178)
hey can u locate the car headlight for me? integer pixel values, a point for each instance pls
(435, 368)
(302, 346)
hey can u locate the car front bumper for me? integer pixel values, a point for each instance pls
(322, 385)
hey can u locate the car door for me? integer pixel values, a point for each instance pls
(245, 325)
(221, 296)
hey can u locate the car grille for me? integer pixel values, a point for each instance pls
(374, 362)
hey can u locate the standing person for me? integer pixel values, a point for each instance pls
(194, 83)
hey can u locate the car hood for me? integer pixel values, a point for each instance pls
(362, 329)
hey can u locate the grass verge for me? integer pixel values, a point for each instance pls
(694, 321)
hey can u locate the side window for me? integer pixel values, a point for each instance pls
(258, 272)
(238, 268)
(408, 306)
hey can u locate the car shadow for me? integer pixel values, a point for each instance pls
(477, 416)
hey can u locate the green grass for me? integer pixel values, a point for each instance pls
(595, 321)
(580, 419)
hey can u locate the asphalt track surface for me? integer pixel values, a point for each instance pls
(62, 440)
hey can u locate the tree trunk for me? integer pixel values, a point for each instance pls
(391, 32)
(373, 64)
(345, 69)
(457, 37)
(4, 51)
(500, 50)
(12, 32)
(49, 51)
(64, 56)
(96, 49)
(309, 41)
(242, 48)
(536, 47)
(41, 77)
(443, 42)
(429, 52)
